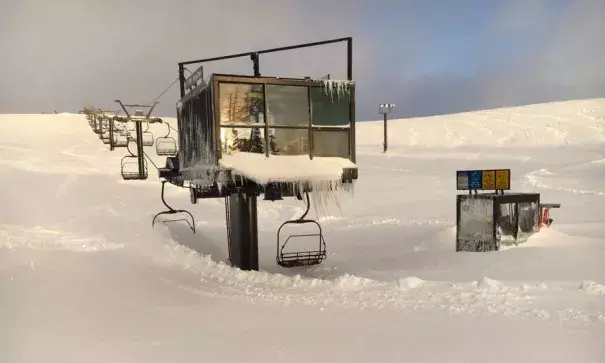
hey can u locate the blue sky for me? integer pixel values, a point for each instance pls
(427, 56)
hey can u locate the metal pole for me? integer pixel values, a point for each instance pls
(350, 59)
(255, 64)
(385, 109)
(140, 152)
(243, 225)
(385, 132)
(182, 80)
(266, 120)
(265, 51)
(111, 145)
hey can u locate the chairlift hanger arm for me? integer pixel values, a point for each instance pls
(140, 106)
(105, 113)
(151, 109)
(124, 108)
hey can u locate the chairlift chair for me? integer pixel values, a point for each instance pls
(104, 136)
(301, 258)
(130, 168)
(171, 210)
(120, 141)
(147, 136)
(97, 130)
(124, 130)
(117, 126)
(127, 131)
(166, 145)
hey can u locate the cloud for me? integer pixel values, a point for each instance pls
(62, 55)
(519, 52)
(564, 62)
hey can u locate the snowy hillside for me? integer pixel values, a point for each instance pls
(84, 277)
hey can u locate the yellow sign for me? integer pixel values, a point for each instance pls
(503, 179)
(489, 180)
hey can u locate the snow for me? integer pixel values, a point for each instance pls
(285, 168)
(84, 277)
(591, 287)
(323, 174)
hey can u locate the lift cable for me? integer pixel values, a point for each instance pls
(166, 90)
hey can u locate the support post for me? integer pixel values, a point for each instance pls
(350, 59)
(140, 151)
(182, 80)
(243, 224)
(99, 123)
(385, 133)
(111, 131)
(255, 65)
(384, 109)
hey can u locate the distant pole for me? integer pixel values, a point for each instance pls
(384, 109)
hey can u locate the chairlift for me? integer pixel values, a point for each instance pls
(147, 136)
(117, 126)
(99, 129)
(166, 145)
(130, 166)
(301, 258)
(105, 137)
(170, 210)
(124, 130)
(120, 141)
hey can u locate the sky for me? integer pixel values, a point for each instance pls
(427, 56)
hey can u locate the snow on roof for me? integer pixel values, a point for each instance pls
(285, 168)
(322, 174)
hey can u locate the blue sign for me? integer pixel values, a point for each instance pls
(475, 179)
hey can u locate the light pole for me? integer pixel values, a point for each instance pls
(385, 109)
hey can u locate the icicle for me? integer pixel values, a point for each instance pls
(340, 86)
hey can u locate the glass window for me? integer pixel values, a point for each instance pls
(287, 105)
(330, 109)
(235, 139)
(528, 217)
(331, 143)
(507, 218)
(241, 103)
(475, 226)
(289, 141)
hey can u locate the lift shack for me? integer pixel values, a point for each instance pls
(487, 219)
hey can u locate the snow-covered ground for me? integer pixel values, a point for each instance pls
(84, 277)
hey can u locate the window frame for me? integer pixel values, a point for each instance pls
(218, 79)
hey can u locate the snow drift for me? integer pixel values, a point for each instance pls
(83, 277)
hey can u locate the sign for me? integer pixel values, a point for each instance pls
(462, 180)
(494, 179)
(191, 81)
(475, 179)
(503, 179)
(489, 180)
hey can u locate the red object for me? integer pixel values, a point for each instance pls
(545, 217)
